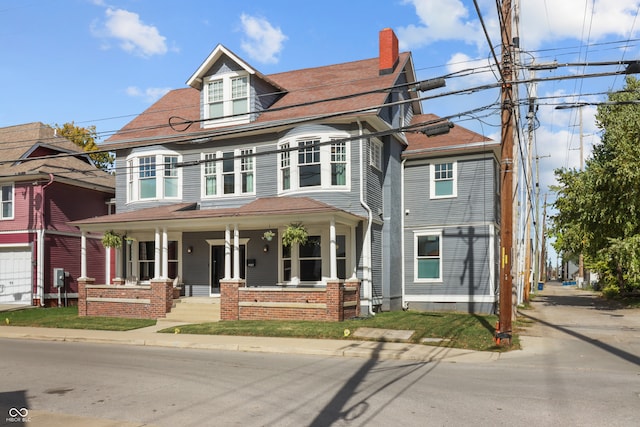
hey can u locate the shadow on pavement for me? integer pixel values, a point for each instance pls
(586, 300)
(629, 357)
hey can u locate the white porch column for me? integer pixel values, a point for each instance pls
(227, 253)
(156, 256)
(165, 254)
(83, 255)
(236, 252)
(332, 250)
(354, 253)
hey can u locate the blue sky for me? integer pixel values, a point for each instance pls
(101, 62)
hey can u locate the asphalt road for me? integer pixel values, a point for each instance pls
(580, 367)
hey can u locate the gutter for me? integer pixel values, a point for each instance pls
(366, 241)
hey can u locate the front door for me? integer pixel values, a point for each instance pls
(217, 266)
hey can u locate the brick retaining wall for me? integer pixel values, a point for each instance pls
(132, 301)
(336, 302)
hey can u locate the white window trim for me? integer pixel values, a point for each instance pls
(13, 202)
(227, 101)
(133, 175)
(237, 173)
(325, 163)
(375, 154)
(422, 233)
(325, 239)
(432, 180)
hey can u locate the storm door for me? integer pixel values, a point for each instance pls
(217, 266)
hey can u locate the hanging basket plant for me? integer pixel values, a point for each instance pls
(268, 235)
(295, 233)
(110, 239)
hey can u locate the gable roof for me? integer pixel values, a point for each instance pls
(305, 98)
(195, 81)
(22, 145)
(458, 139)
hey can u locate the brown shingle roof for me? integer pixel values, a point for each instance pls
(303, 86)
(458, 138)
(21, 141)
(263, 206)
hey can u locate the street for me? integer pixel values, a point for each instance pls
(584, 378)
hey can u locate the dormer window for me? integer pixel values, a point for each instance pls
(226, 99)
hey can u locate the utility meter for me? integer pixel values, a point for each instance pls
(58, 277)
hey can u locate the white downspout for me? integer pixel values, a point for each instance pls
(366, 243)
(403, 213)
(41, 232)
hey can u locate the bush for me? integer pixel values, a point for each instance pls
(611, 291)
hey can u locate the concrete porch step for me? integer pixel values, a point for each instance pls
(195, 310)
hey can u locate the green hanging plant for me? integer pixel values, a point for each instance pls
(110, 239)
(295, 233)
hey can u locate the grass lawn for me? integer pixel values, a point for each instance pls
(67, 317)
(458, 330)
(474, 332)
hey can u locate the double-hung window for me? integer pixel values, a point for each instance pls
(215, 98)
(227, 173)
(309, 163)
(246, 170)
(147, 174)
(210, 176)
(239, 95)
(6, 201)
(226, 99)
(443, 181)
(285, 166)
(428, 256)
(170, 176)
(339, 163)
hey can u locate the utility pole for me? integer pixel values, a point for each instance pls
(503, 334)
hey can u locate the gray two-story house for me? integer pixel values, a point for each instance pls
(210, 176)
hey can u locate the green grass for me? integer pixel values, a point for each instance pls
(457, 330)
(474, 332)
(67, 317)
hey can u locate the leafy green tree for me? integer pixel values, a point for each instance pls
(85, 137)
(598, 209)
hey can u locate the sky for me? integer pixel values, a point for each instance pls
(102, 62)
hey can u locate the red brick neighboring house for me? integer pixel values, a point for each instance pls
(46, 182)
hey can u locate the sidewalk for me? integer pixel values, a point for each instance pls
(340, 348)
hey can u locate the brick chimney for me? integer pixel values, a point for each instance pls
(388, 51)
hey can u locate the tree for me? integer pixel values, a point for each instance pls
(86, 139)
(598, 208)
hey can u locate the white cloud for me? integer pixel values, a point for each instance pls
(149, 95)
(133, 35)
(263, 41)
(442, 20)
(577, 19)
(475, 71)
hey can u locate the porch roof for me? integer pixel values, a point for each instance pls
(258, 213)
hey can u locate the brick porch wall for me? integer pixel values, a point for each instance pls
(132, 301)
(336, 302)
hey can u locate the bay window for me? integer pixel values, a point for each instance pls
(153, 176)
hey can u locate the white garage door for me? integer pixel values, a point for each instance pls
(15, 276)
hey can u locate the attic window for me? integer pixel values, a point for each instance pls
(226, 99)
